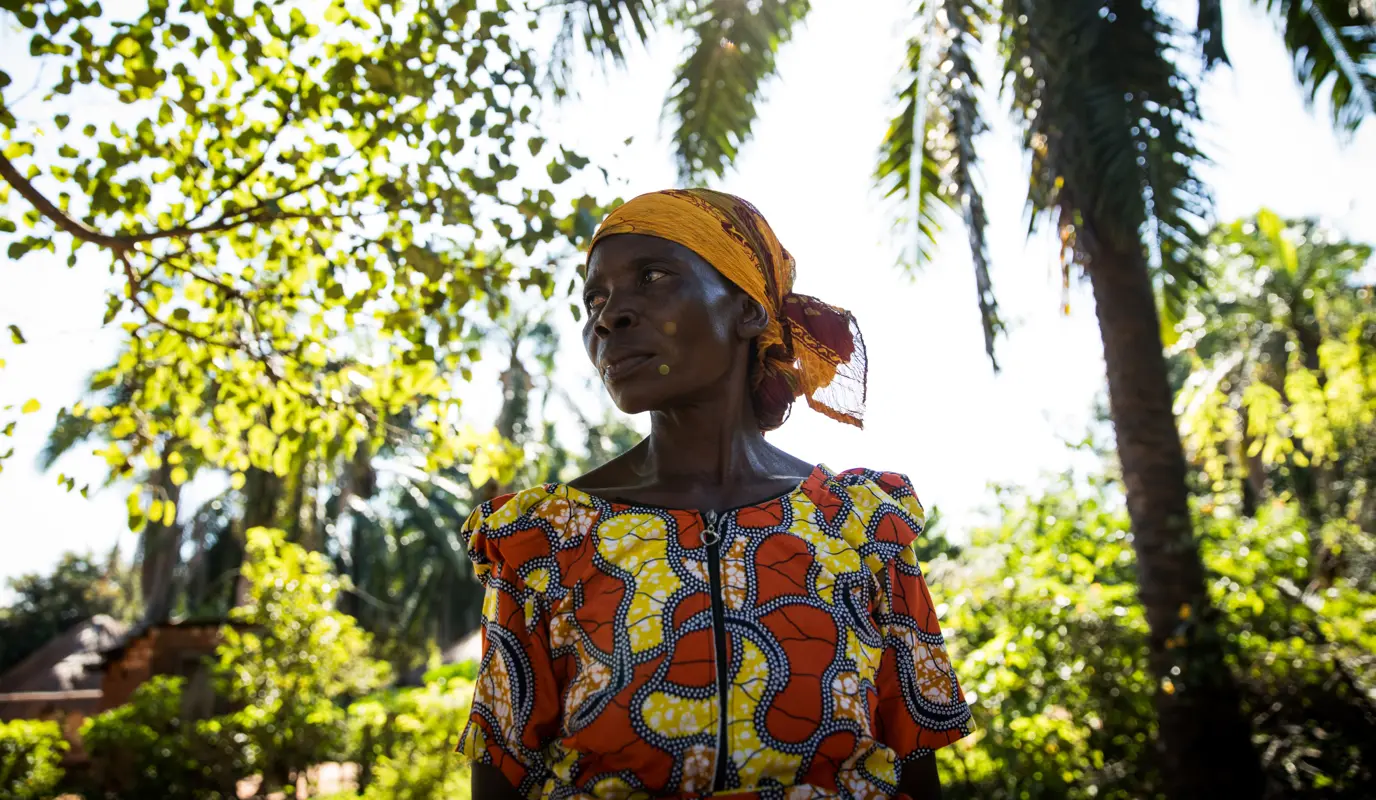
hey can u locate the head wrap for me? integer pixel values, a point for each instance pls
(809, 348)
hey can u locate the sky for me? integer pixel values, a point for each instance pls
(936, 411)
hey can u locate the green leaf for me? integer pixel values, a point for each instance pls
(558, 172)
(31, 406)
(61, 121)
(16, 335)
(573, 159)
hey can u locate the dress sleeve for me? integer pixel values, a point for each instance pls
(921, 706)
(515, 708)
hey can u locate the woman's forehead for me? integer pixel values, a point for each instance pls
(631, 250)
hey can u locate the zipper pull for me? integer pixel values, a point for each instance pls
(709, 534)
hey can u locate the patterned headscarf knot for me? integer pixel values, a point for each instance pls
(809, 349)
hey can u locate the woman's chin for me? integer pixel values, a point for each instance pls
(636, 397)
(632, 403)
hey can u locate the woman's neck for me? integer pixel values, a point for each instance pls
(703, 446)
(704, 452)
(712, 444)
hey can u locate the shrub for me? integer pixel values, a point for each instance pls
(1049, 641)
(293, 661)
(145, 748)
(30, 753)
(406, 739)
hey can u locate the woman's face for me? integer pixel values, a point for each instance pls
(664, 328)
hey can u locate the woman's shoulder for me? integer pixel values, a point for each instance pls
(896, 485)
(880, 505)
(525, 527)
(508, 507)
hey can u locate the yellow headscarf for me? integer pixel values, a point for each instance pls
(810, 348)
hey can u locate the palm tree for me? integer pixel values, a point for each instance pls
(1106, 119)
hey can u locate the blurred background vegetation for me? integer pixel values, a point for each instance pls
(319, 218)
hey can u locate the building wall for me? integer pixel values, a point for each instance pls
(163, 650)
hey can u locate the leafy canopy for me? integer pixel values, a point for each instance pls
(305, 205)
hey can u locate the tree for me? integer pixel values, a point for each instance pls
(30, 758)
(1107, 120)
(152, 747)
(45, 606)
(284, 672)
(1043, 621)
(304, 204)
(1280, 347)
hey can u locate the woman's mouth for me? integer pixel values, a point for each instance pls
(622, 366)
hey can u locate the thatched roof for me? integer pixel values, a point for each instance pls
(67, 662)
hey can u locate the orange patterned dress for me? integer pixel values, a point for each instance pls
(784, 650)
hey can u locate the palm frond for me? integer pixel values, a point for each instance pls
(716, 88)
(1108, 119)
(1333, 39)
(949, 159)
(603, 27)
(894, 175)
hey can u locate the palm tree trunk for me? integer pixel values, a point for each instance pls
(1204, 740)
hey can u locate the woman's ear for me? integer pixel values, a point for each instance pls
(753, 320)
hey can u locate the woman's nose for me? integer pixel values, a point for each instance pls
(615, 316)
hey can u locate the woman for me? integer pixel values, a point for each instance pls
(707, 615)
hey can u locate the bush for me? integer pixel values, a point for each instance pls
(285, 671)
(406, 739)
(467, 670)
(30, 752)
(145, 749)
(1049, 640)
(292, 662)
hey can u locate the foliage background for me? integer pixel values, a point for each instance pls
(1057, 544)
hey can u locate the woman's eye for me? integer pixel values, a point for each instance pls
(594, 301)
(652, 275)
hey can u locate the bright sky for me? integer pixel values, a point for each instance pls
(936, 412)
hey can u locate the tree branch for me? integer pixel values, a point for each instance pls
(45, 207)
(122, 244)
(134, 287)
(166, 261)
(248, 171)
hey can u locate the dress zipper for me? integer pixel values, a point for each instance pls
(712, 538)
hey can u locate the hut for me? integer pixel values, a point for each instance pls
(62, 680)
